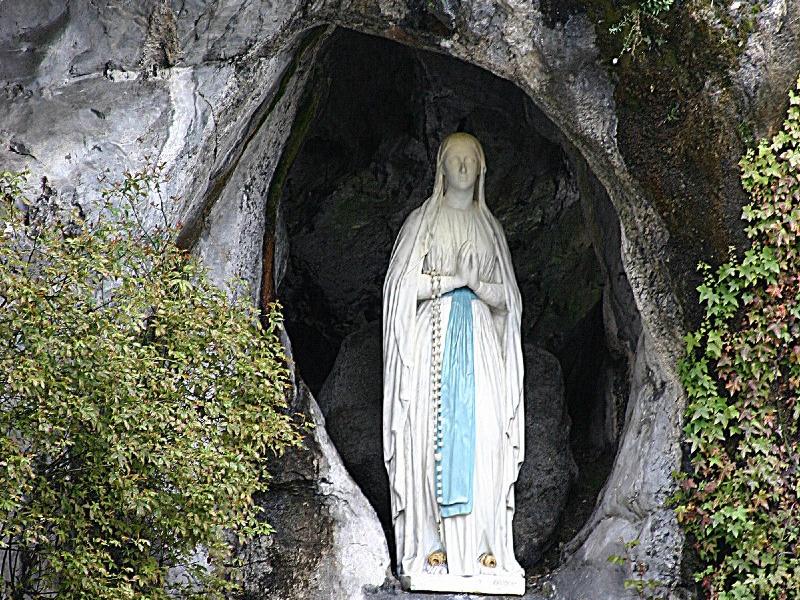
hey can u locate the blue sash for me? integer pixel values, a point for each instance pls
(454, 469)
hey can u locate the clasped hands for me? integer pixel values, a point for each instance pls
(467, 266)
(466, 274)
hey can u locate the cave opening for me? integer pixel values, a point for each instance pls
(363, 156)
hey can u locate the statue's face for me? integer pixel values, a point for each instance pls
(461, 165)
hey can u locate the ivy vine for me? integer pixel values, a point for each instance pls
(739, 500)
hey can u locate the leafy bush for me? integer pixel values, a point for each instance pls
(739, 503)
(137, 403)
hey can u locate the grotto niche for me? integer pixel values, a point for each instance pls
(360, 158)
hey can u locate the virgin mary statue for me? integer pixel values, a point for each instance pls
(452, 409)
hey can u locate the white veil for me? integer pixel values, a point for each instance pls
(399, 314)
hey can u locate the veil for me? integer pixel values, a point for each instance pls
(399, 314)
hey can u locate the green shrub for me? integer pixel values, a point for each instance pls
(739, 502)
(137, 404)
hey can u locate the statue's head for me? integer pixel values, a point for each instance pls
(460, 161)
(462, 164)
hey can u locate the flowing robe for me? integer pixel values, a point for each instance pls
(430, 239)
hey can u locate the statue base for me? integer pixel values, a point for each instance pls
(501, 585)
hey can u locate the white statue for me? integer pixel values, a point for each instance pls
(453, 424)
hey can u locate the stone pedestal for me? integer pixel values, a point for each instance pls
(500, 585)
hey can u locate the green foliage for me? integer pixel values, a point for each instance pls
(641, 24)
(137, 404)
(648, 24)
(739, 502)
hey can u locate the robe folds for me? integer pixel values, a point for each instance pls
(408, 436)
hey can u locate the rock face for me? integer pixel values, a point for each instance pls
(638, 488)
(352, 401)
(212, 89)
(549, 469)
(327, 543)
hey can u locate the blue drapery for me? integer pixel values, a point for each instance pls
(457, 453)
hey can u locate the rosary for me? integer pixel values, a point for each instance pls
(436, 383)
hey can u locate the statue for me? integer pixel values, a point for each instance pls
(453, 424)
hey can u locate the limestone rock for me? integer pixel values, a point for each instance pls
(327, 543)
(352, 401)
(549, 469)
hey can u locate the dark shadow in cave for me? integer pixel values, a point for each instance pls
(377, 111)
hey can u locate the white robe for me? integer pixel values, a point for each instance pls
(430, 239)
